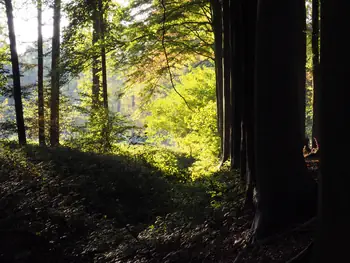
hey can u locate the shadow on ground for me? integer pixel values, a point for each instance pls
(62, 205)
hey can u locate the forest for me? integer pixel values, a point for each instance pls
(174, 131)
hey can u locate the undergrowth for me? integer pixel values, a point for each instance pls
(64, 205)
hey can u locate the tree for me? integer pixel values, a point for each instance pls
(216, 14)
(55, 76)
(315, 70)
(41, 112)
(333, 93)
(286, 194)
(249, 14)
(17, 93)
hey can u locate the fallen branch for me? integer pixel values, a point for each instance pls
(304, 256)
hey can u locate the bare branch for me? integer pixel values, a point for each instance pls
(166, 57)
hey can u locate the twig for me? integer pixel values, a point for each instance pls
(167, 59)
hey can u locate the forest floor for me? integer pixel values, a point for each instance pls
(62, 205)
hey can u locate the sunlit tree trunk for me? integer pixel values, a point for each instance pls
(315, 71)
(55, 75)
(286, 193)
(41, 113)
(301, 48)
(17, 93)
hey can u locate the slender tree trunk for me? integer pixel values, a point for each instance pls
(55, 76)
(103, 57)
(41, 114)
(227, 121)
(315, 70)
(218, 31)
(17, 93)
(331, 245)
(286, 193)
(96, 62)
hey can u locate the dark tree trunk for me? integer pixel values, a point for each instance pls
(55, 76)
(249, 11)
(96, 62)
(286, 193)
(237, 50)
(41, 112)
(331, 244)
(315, 70)
(102, 10)
(218, 31)
(17, 93)
(227, 112)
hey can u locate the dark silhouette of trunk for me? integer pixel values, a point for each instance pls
(286, 194)
(96, 62)
(55, 75)
(249, 11)
(17, 93)
(302, 73)
(103, 56)
(237, 50)
(41, 113)
(333, 98)
(227, 112)
(315, 70)
(217, 29)
(106, 127)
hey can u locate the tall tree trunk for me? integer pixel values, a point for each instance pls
(106, 129)
(237, 50)
(41, 114)
(218, 43)
(286, 193)
(17, 93)
(249, 14)
(331, 245)
(103, 56)
(315, 70)
(96, 62)
(227, 121)
(55, 75)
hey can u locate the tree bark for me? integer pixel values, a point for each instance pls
(17, 93)
(96, 62)
(41, 113)
(315, 70)
(55, 75)
(249, 11)
(227, 112)
(237, 49)
(286, 194)
(218, 43)
(331, 245)
(103, 55)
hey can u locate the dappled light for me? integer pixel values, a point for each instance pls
(173, 131)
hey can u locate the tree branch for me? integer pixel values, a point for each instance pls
(166, 57)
